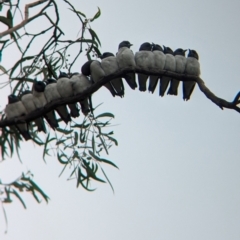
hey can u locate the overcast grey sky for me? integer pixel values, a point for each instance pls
(179, 161)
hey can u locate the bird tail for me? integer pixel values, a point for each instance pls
(142, 81)
(188, 88)
(131, 80)
(118, 86)
(74, 110)
(173, 89)
(51, 119)
(23, 129)
(152, 83)
(63, 113)
(85, 106)
(40, 124)
(163, 85)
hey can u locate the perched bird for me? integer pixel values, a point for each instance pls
(170, 65)
(110, 65)
(144, 60)
(15, 108)
(159, 63)
(64, 87)
(27, 100)
(94, 69)
(80, 83)
(125, 59)
(192, 68)
(51, 93)
(40, 101)
(180, 60)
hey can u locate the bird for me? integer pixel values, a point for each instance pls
(110, 65)
(180, 68)
(27, 100)
(51, 93)
(159, 63)
(80, 83)
(64, 87)
(93, 69)
(15, 108)
(170, 65)
(40, 101)
(125, 59)
(144, 59)
(192, 68)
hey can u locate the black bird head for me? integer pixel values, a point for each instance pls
(105, 55)
(145, 47)
(124, 44)
(50, 81)
(86, 68)
(39, 86)
(12, 99)
(180, 52)
(193, 53)
(167, 50)
(63, 75)
(156, 47)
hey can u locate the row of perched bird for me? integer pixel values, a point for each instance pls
(149, 57)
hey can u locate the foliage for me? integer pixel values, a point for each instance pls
(78, 146)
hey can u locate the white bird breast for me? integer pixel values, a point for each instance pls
(28, 102)
(39, 99)
(110, 65)
(79, 83)
(51, 92)
(180, 63)
(15, 110)
(97, 72)
(170, 63)
(144, 60)
(125, 58)
(64, 87)
(192, 66)
(159, 60)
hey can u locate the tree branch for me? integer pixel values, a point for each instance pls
(27, 19)
(50, 106)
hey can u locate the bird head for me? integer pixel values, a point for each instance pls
(167, 50)
(105, 55)
(180, 52)
(156, 47)
(193, 53)
(146, 47)
(39, 86)
(13, 98)
(124, 44)
(63, 75)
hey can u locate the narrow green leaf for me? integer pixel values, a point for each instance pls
(102, 159)
(105, 115)
(97, 15)
(6, 21)
(64, 131)
(18, 196)
(94, 35)
(93, 143)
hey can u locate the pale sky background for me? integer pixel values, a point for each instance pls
(179, 161)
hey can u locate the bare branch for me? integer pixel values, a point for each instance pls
(26, 20)
(50, 106)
